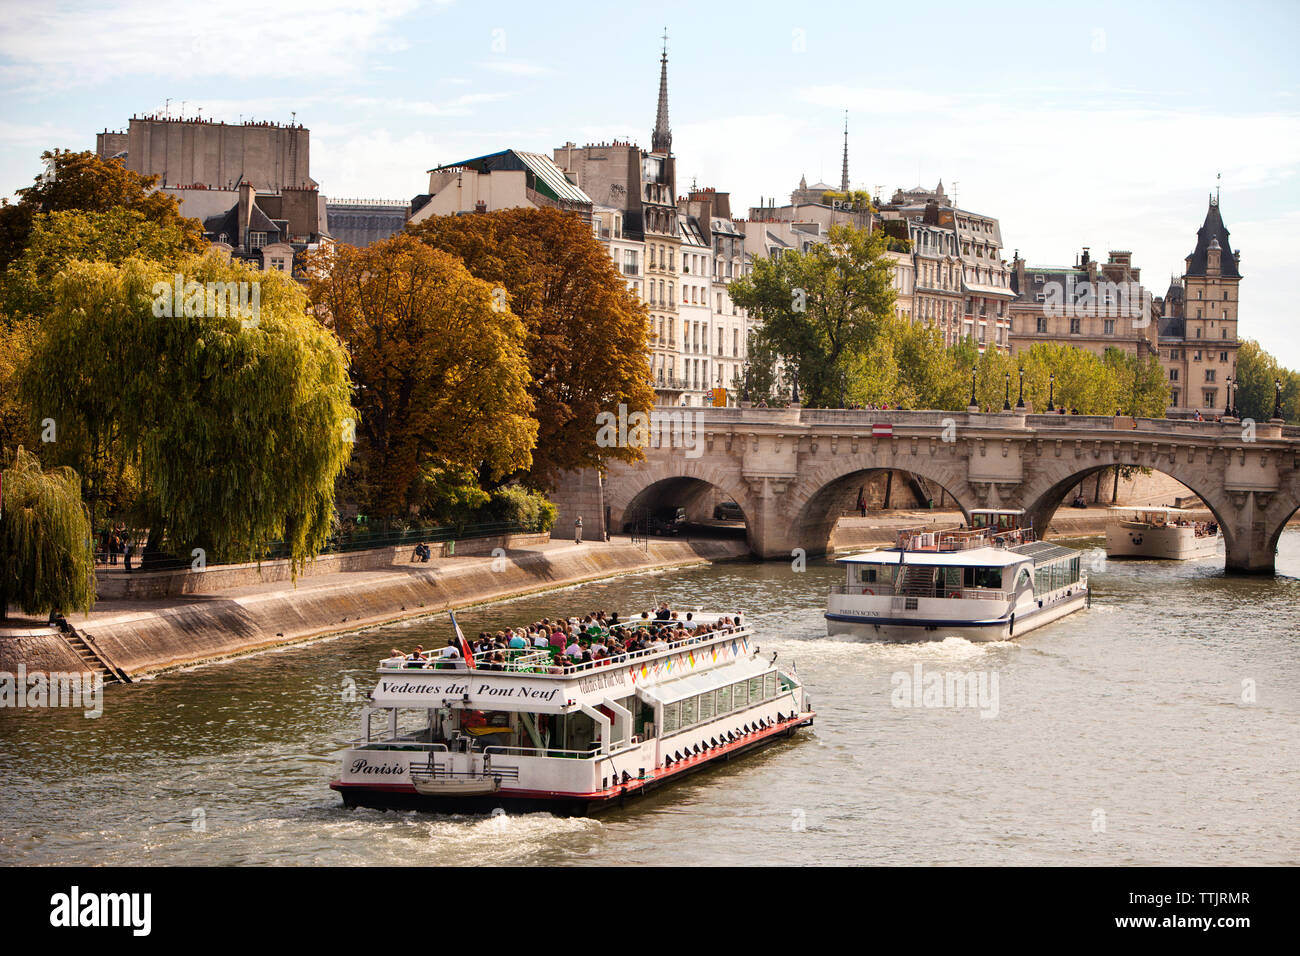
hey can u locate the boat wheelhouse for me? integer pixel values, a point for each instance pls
(536, 734)
(1159, 532)
(989, 582)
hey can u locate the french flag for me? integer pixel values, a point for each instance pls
(466, 652)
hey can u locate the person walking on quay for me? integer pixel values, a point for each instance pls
(126, 553)
(862, 502)
(577, 530)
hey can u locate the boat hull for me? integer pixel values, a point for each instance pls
(1159, 544)
(404, 796)
(903, 630)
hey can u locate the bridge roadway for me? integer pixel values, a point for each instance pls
(794, 471)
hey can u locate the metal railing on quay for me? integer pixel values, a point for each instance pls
(142, 562)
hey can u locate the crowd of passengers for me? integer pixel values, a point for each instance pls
(555, 646)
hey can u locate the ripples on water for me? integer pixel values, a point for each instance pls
(1120, 738)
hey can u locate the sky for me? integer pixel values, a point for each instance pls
(1105, 125)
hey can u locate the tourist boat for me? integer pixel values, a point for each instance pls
(1159, 532)
(572, 739)
(989, 582)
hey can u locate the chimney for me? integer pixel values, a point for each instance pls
(247, 200)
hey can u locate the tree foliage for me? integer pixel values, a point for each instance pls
(586, 332)
(47, 559)
(237, 427)
(59, 238)
(1256, 393)
(821, 309)
(83, 181)
(440, 371)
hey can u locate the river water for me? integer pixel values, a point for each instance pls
(1158, 727)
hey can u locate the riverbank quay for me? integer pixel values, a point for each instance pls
(127, 638)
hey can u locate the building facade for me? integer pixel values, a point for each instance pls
(1091, 305)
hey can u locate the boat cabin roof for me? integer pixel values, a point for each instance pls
(971, 558)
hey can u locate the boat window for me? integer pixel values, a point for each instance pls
(672, 717)
(688, 711)
(755, 689)
(875, 574)
(739, 694)
(984, 578)
(1022, 578)
(724, 699)
(769, 684)
(706, 706)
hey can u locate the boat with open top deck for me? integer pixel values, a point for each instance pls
(1159, 532)
(531, 729)
(989, 582)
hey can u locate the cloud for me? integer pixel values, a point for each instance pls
(62, 45)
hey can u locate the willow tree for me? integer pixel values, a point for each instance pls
(227, 397)
(586, 333)
(441, 371)
(47, 559)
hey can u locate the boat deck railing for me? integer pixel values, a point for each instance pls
(961, 539)
(921, 591)
(536, 660)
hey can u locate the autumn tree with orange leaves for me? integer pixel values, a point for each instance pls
(439, 371)
(586, 331)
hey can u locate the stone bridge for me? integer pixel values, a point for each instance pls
(794, 471)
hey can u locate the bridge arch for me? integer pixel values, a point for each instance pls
(1043, 496)
(829, 489)
(632, 491)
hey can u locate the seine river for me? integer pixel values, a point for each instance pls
(1158, 727)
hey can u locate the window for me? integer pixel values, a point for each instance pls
(1110, 327)
(1198, 331)
(1223, 356)
(739, 695)
(1173, 397)
(1173, 375)
(723, 702)
(256, 240)
(629, 262)
(672, 717)
(1209, 374)
(1074, 326)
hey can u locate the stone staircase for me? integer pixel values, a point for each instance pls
(91, 657)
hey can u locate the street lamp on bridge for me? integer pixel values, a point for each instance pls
(1227, 407)
(1277, 399)
(1020, 402)
(1051, 392)
(973, 369)
(1006, 401)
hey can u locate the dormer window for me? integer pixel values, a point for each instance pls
(256, 240)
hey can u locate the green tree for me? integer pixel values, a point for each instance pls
(440, 369)
(59, 238)
(1143, 384)
(821, 309)
(1256, 393)
(238, 423)
(47, 559)
(587, 333)
(83, 181)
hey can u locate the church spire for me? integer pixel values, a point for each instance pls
(661, 141)
(844, 174)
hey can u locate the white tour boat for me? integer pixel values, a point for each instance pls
(1159, 532)
(989, 582)
(528, 733)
